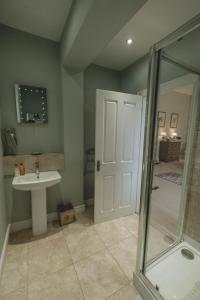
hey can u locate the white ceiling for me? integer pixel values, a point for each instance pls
(155, 20)
(45, 18)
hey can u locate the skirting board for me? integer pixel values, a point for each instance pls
(89, 202)
(3, 253)
(50, 217)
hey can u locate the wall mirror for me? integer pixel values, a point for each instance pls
(31, 104)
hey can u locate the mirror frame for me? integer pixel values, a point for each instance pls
(21, 118)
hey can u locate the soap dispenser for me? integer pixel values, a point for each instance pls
(21, 169)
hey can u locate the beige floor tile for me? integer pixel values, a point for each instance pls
(125, 253)
(128, 292)
(59, 256)
(130, 223)
(83, 244)
(100, 276)
(112, 232)
(60, 285)
(74, 228)
(49, 257)
(20, 294)
(20, 237)
(82, 223)
(26, 236)
(52, 234)
(17, 257)
(84, 218)
(13, 280)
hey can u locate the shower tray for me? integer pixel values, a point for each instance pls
(176, 275)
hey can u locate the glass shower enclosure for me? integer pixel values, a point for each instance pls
(168, 264)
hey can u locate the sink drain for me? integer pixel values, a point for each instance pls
(187, 254)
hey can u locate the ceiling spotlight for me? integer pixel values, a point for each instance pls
(129, 41)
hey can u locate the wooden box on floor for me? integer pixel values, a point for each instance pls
(66, 217)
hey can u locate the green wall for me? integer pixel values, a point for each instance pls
(73, 124)
(134, 77)
(31, 60)
(95, 77)
(72, 106)
(27, 59)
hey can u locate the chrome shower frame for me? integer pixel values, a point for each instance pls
(147, 290)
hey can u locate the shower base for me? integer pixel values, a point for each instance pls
(177, 276)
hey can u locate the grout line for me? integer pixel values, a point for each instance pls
(117, 263)
(73, 263)
(79, 281)
(86, 257)
(107, 298)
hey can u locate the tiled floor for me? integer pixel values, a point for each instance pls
(79, 261)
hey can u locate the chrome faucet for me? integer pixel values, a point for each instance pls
(37, 169)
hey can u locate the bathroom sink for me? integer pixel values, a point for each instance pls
(37, 186)
(30, 181)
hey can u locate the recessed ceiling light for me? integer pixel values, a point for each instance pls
(129, 41)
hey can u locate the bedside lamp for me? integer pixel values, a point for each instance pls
(163, 134)
(174, 135)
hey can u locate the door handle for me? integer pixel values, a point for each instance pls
(155, 188)
(98, 165)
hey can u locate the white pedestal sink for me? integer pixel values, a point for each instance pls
(37, 186)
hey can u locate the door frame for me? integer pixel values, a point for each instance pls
(140, 128)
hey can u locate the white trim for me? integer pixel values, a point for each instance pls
(80, 208)
(89, 202)
(3, 253)
(25, 224)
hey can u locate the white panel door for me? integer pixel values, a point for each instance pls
(118, 133)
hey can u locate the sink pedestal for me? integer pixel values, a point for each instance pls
(39, 211)
(37, 186)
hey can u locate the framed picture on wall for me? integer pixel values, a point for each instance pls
(161, 118)
(174, 120)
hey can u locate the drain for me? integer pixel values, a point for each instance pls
(187, 254)
(157, 287)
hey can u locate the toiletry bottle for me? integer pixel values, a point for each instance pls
(21, 170)
(16, 169)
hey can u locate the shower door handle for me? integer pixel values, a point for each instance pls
(155, 188)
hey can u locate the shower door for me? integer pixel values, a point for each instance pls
(169, 238)
(170, 176)
(169, 163)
